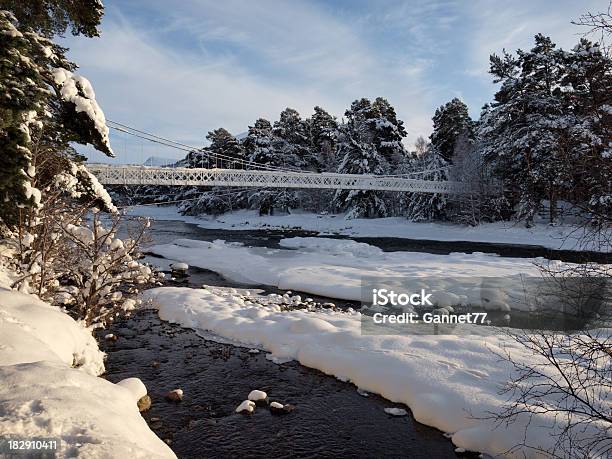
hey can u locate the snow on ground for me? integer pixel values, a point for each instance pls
(49, 386)
(335, 268)
(564, 237)
(447, 381)
(30, 333)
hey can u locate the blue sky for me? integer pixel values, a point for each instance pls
(180, 69)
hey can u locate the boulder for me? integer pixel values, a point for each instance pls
(246, 407)
(144, 403)
(259, 397)
(279, 408)
(175, 395)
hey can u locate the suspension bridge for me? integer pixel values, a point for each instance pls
(242, 173)
(182, 176)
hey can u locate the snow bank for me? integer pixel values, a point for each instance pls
(93, 417)
(33, 331)
(49, 387)
(564, 237)
(335, 268)
(447, 381)
(135, 386)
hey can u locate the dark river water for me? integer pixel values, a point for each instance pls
(166, 231)
(331, 418)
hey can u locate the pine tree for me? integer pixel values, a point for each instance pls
(43, 107)
(359, 156)
(388, 133)
(526, 131)
(429, 206)
(226, 152)
(258, 144)
(449, 121)
(227, 148)
(53, 17)
(323, 138)
(383, 128)
(259, 148)
(292, 141)
(587, 80)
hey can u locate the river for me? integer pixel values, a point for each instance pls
(331, 418)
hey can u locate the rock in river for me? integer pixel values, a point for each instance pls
(175, 395)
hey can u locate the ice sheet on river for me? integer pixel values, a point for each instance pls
(335, 268)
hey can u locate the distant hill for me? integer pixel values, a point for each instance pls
(158, 161)
(242, 135)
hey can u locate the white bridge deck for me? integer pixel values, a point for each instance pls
(144, 175)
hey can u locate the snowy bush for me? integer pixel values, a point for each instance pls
(81, 264)
(97, 265)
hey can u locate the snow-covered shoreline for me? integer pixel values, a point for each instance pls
(49, 367)
(561, 237)
(447, 381)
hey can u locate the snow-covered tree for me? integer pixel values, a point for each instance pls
(96, 266)
(379, 123)
(65, 255)
(224, 151)
(587, 83)
(292, 141)
(519, 132)
(46, 192)
(43, 107)
(548, 131)
(388, 133)
(323, 137)
(359, 156)
(449, 121)
(53, 17)
(225, 146)
(258, 144)
(429, 206)
(482, 200)
(259, 147)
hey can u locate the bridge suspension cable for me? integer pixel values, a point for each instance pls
(219, 156)
(190, 149)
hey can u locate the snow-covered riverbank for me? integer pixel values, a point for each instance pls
(447, 381)
(49, 386)
(560, 237)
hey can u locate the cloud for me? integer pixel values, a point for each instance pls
(513, 25)
(251, 60)
(181, 71)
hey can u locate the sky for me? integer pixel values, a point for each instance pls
(180, 69)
